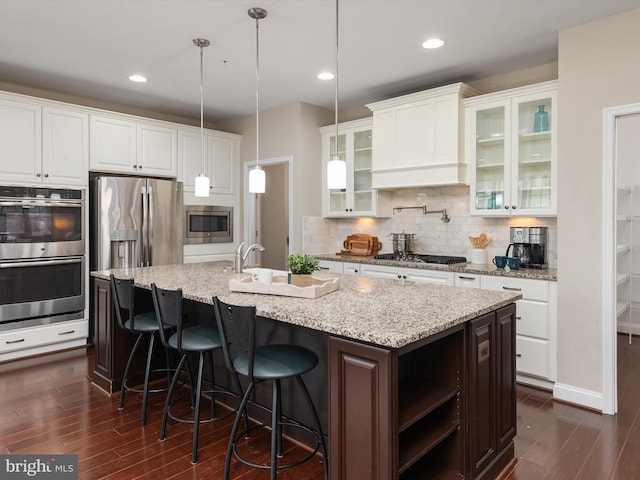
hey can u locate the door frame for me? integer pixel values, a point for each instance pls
(609, 328)
(251, 213)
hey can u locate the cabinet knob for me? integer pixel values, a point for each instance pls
(46, 175)
(513, 207)
(506, 207)
(356, 270)
(38, 175)
(135, 166)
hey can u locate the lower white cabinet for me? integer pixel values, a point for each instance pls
(35, 340)
(468, 280)
(413, 274)
(331, 267)
(536, 326)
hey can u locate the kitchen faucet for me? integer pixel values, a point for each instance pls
(240, 257)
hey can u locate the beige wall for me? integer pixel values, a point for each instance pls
(598, 68)
(289, 131)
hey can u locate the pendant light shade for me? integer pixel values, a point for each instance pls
(257, 178)
(202, 186)
(202, 181)
(336, 173)
(336, 168)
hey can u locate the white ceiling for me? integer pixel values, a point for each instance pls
(89, 47)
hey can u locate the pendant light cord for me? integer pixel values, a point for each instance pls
(257, 92)
(202, 110)
(337, 56)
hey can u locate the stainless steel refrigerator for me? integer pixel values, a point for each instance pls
(135, 222)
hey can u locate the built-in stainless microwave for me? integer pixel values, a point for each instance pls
(208, 224)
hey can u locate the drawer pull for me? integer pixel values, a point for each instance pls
(512, 288)
(518, 318)
(324, 268)
(518, 355)
(15, 341)
(465, 278)
(66, 333)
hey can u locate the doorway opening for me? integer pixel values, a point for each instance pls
(621, 183)
(267, 215)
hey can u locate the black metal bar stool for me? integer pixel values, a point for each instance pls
(142, 324)
(237, 327)
(200, 339)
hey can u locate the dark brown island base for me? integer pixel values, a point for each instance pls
(415, 381)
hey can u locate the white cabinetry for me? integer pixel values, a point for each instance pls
(511, 150)
(36, 340)
(20, 141)
(123, 145)
(65, 146)
(536, 326)
(418, 138)
(354, 146)
(221, 152)
(468, 280)
(43, 144)
(412, 274)
(331, 267)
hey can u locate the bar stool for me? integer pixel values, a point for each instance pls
(142, 324)
(200, 339)
(237, 327)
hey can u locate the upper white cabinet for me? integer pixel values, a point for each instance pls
(43, 144)
(418, 139)
(20, 140)
(354, 146)
(511, 148)
(121, 145)
(221, 152)
(65, 146)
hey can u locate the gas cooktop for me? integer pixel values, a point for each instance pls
(421, 258)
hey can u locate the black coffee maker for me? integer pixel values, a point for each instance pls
(529, 245)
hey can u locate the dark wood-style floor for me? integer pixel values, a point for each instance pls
(48, 406)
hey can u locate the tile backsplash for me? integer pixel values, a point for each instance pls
(325, 235)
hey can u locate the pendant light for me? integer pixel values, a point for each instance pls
(336, 168)
(257, 178)
(202, 181)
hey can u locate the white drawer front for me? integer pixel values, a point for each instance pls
(47, 334)
(332, 267)
(530, 289)
(532, 319)
(467, 280)
(532, 357)
(426, 276)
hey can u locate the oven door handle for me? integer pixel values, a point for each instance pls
(40, 203)
(40, 263)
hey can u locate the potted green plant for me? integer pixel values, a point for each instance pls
(301, 267)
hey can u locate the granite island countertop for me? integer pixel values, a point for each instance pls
(388, 313)
(488, 269)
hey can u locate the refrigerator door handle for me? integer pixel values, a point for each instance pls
(145, 227)
(149, 223)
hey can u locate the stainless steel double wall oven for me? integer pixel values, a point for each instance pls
(42, 247)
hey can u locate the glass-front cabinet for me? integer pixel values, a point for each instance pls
(354, 146)
(511, 148)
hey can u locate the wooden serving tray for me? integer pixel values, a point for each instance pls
(280, 286)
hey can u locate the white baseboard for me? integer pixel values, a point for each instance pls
(578, 396)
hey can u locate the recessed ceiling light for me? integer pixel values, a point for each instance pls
(137, 78)
(433, 43)
(326, 76)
